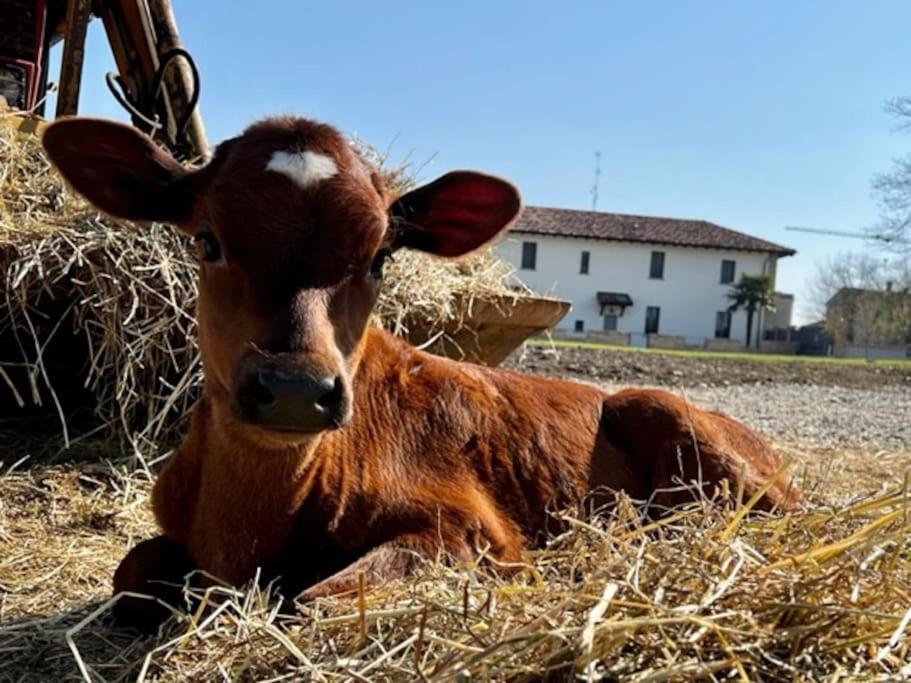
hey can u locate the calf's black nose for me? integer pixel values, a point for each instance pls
(291, 401)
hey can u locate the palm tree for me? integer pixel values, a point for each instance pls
(752, 293)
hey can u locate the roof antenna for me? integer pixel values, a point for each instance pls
(594, 190)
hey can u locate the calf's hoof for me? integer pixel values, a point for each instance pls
(155, 568)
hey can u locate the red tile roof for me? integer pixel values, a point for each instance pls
(540, 220)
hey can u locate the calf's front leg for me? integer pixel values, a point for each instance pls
(156, 568)
(394, 559)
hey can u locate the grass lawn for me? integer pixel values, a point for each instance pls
(703, 354)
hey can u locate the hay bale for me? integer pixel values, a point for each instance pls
(99, 318)
(98, 322)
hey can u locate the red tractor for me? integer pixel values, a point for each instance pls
(24, 45)
(156, 79)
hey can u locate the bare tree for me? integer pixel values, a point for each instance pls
(865, 299)
(853, 317)
(893, 189)
(847, 270)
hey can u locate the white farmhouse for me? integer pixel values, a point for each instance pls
(643, 277)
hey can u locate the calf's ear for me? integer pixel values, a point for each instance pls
(120, 170)
(455, 214)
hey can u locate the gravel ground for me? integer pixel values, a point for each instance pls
(857, 406)
(877, 419)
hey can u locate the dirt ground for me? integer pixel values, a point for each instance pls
(614, 366)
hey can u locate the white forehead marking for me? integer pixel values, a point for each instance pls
(304, 168)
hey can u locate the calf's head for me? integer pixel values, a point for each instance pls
(292, 228)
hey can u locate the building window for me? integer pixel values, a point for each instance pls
(583, 263)
(723, 324)
(727, 271)
(580, 326)
(610, 322)
(529, 255)
(652, 316)
(656, 268)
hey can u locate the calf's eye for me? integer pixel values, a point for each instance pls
(207, 246)
(376, 268)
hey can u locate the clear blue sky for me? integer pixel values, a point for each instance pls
(753, 115)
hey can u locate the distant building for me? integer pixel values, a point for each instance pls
(639, 275)
(869, 323)
(780, 318)
(813, 339)
(777, 323)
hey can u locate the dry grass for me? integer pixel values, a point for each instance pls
(119, 301)
(705, 593)
(435, 289)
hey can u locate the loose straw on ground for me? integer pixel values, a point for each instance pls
(821, 594)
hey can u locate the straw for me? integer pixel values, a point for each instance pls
(609, 598)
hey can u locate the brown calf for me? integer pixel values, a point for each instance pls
(323, 448)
